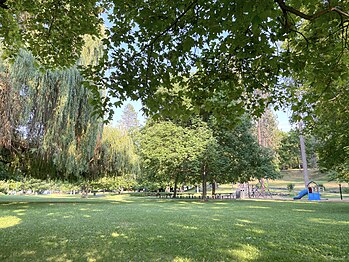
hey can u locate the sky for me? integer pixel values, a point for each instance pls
(118, 112)
(283, 120)
(282, 117)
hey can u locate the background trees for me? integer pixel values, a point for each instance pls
(225, 58)
(203, 152)
(172, 153)
(52, 127)
(49, 130)
(327, 119)
(117, 156)
(245, 157)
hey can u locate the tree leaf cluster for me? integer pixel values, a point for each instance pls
(203, 152)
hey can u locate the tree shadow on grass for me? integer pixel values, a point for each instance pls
(144, 230)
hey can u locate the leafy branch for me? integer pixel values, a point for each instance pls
(285, 8)
(167, 29)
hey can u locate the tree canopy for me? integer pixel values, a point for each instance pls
(201, 152)
(52, 30)
(227, 57)
(171, 152)
(216, 49)
(47, 129)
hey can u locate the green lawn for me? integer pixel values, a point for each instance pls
(278, 187)
(124, 228)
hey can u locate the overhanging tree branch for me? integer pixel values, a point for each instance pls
(290, 9)
(173, 24)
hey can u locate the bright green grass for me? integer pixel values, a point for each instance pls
(123, 228)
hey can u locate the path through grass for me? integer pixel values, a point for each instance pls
(126, 228)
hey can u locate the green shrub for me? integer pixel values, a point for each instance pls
(290, 187)
(4, 187)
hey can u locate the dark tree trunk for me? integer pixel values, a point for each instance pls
(204, 182)
(213, 187)
(175, 186)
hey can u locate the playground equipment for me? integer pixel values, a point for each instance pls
(301, 194)
(312, 191)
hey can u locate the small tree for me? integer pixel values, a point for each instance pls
(172, 153)
(129, 120)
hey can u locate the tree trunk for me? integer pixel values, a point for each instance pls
(259, 132)
(304, 157)
(213, 187)
(304, 160)
(175, 186)
(204, 182)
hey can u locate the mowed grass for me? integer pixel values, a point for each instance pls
(124, 228)
(278, 187)
(295, 176)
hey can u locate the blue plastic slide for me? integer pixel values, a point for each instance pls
(302, 194)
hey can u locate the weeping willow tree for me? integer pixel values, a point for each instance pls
(46, 118)
(118, 154)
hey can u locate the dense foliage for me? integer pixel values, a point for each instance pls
(289, 150)
(328, 121)
(225, 57)
(47, 119)
(47, 127)
(216, 49)
(52, 30)
(203, 152)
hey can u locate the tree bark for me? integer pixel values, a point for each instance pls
(304, 157)
(204, 182)
(213, 187)
(175, 186)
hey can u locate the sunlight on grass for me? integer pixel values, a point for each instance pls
(245, 221)
(183, 226)
(9, 221)
(59, 258)
(244, 252)
(303, 210)
(221, 203)
(12, 203)
(257, 231)
(257, 207)
(115, 234)
(93, 256)
(180, 259)
(19, 210)
(28, 253)
(153, 230)
(328, 221)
